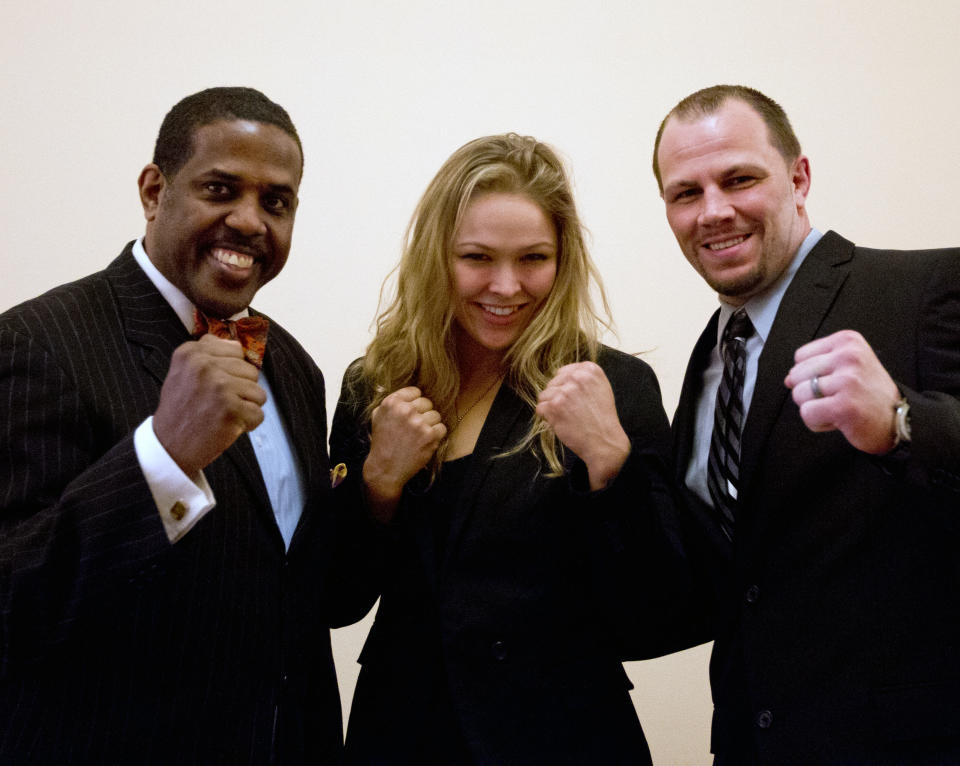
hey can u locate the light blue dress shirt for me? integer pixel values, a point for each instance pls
(279, 465)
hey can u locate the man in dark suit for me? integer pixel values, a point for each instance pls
(172, 555)
(828, 540)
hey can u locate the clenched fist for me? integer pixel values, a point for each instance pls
(854, 394)
(578, 405)
(209, 397)
(405, 431)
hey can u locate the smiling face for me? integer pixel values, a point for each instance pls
(735, 205)
(504, 264)
(220, 228)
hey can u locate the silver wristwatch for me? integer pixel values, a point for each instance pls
(901, 422)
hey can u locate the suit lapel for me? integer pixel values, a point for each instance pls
(684, 418)
(682, 430)
(507, 413)
(149, 321)
(799, 317)
(293, 397)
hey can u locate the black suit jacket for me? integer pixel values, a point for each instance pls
(116, 646)
(522, 624)
(834, 611)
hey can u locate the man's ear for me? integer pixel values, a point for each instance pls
(801, 181)
(151, 183)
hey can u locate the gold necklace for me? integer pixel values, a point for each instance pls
(456, 410)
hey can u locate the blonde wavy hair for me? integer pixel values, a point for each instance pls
(414, 342)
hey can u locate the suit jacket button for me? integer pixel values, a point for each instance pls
(764, 719)
(178, 510)
(752, 595)
(499, 650)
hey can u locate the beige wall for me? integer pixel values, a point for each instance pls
(383, 91)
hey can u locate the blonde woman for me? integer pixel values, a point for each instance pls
(518, 468)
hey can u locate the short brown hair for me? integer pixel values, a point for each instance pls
(709, 100)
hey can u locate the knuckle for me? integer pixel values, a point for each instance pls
(219, 385)
(185, 349)
(849, 353)
(387, 402)
(592, 368)
(846, 381)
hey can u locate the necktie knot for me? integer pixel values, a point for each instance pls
(251, 332)
(739, 327)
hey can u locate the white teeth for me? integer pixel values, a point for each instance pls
(500, 311)
(726, 243)
(233, 258)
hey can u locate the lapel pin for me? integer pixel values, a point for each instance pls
(337, 474)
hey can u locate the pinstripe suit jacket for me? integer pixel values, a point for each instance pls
(117, 647)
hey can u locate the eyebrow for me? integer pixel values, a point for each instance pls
(484, 246)
(733, 170)
(744, 167)
(223, 175)
(676, 186)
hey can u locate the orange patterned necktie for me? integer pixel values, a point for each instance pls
(250, 331)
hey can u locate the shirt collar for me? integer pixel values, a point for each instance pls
(179, 302)
(762, 308)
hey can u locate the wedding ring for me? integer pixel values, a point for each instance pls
(815, 387)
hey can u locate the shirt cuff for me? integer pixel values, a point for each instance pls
(180, 500)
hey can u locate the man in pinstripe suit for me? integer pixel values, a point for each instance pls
(171, 552)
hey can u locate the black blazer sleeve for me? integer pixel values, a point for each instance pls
(77, 518)
(638, 554)
(932, 388)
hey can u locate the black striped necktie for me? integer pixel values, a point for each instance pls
(723, 468)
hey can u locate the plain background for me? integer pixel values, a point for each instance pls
(382, 92)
